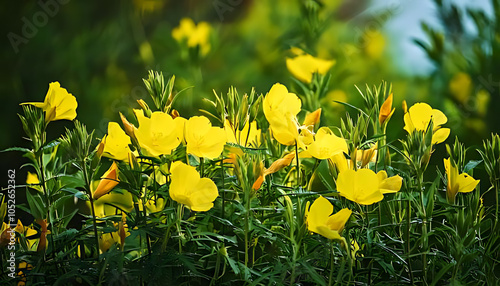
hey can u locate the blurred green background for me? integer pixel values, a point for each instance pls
(445, 53)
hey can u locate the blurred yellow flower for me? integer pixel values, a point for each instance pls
(108, 181)
(116, 143)
(244, 137)
(374, 42)
(303, 66)
(281, 108)
(189, 189)
(418, 118)
(202, 139)
(58, 103)
(160, 134)
(457, 183)
(194, 35)
(321, 221)
(460, 87)
(386, 111)
(326, 144)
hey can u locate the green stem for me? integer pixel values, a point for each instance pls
(298, 163)
(180, 208)
(331, 264)
(94, 220)
(424, 229)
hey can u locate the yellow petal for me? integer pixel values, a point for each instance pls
(318, 213)
(389, 185)
(312, 118)
(202, 139)
(326, 144)
(32, 179)
(116, 143)
(361, 186)
(158, 135)
(440, 135)
(338, 220)
(278, 102)
(466, 183)
(188, 189)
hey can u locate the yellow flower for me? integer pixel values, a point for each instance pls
(326, 144)
(303, 66)
(243, 137)
(457, 183)
(281, 108)
(202, 139)
(58, 104)
(321, 221)
(108, 181)
(386, 111)
(116, 143)
(418, 118)
(195, 35)
(189, 189)
(365, 187)
(160, 134)
(361, 186)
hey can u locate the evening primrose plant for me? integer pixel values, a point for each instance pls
(256, 190)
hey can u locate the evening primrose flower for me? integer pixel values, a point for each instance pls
(58, 104)
(326, 144)
(194, 35)
(116, 143)
(420, 115)
(280, 109)
(303, 66)
(202, 139)
(457, 183)
(189, 189)
(108, 181)
(365, 187)
(160, 134)
(321, 221)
